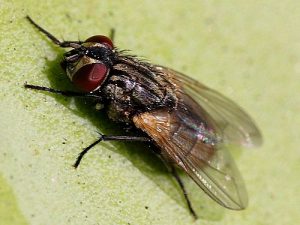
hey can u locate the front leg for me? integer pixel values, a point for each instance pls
(63, 93)
(63, 44)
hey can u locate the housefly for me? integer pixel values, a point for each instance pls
(191, 124)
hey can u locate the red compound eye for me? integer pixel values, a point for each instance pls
(90, 77)
(101, 39)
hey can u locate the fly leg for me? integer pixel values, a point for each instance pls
(109, 138)
(64, 93)
(179, 181)
(112, 34)
(63, 44)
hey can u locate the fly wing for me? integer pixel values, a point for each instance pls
(194, 136)
(186, 141)
(230, 121)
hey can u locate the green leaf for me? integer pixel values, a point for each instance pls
(248, 51)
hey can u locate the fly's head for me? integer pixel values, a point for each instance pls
(88, 63)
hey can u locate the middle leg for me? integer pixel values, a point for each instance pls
(109, 138)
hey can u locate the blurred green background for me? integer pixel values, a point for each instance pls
(248, 50)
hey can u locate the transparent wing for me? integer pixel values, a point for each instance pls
(186, 141)
(194, 136)
(218, 177)
(229, 120)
